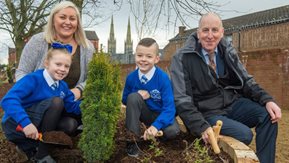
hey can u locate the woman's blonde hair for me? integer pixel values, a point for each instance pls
(50, 32)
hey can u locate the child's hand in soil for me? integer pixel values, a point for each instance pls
(31, 131)
(150, 133)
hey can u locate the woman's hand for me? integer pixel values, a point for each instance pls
(31, 131)
(76, 92)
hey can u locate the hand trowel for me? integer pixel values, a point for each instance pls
(52, 137)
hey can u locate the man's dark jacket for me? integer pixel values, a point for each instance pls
(200, 94)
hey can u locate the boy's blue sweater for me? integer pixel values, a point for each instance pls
(161, 96)
(32, 89)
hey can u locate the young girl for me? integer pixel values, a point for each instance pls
(36, 102)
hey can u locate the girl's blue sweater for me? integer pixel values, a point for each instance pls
(32, 89)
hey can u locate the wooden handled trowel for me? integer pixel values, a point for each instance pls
(214, 136)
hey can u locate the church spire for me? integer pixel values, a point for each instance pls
(128, 33)
(128, 42)
(111, 43)
(111, 33)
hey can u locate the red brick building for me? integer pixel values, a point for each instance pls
(93, 38)
(11, 56)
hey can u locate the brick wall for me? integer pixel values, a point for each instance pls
(270, 69)
(273, 36)
(171, 48)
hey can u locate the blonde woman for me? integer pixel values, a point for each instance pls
(64, 25)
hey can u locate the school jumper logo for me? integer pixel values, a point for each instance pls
(155, 95)
(62, 95)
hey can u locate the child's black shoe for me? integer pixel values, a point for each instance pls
(132, 149)
(46, 159)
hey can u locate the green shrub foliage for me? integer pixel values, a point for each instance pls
(100, 109)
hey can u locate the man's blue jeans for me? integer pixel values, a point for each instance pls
(246, 114)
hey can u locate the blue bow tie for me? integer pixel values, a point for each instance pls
(58, 45)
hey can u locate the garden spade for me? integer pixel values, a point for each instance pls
(52, 137)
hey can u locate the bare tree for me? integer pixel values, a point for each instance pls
(22, 19)
(151, 15)
(97, 11)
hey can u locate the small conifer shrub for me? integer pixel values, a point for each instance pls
(100, 108)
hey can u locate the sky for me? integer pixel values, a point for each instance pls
(229, 8)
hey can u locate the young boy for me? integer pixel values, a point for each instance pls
(148, 97)
(30, 103)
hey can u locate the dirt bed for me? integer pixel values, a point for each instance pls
(172, 151)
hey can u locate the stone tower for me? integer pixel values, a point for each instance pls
(111, 43)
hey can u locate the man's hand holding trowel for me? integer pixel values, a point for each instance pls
(211, 135)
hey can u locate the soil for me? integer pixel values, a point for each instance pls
(178, 150)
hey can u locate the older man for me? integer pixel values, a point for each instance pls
(211, 84)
